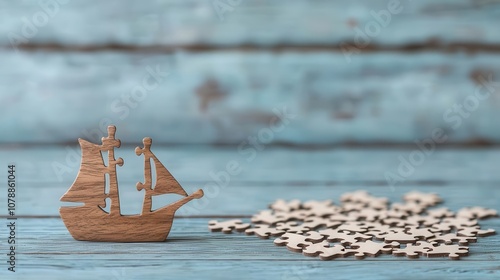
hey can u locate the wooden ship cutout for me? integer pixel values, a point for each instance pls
(91, 222)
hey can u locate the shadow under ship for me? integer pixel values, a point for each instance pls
(91, 222)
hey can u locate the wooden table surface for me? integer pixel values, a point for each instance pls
(223, 77)
(463, 177)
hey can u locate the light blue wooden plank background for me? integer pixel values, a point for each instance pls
(226, 74)
(297, 22)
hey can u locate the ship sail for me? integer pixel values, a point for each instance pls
(165, 182)
(89, 185)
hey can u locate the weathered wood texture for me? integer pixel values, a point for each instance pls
(56, 165)
(226, 76)
(221, 97)
(47, 251)
(263, 23)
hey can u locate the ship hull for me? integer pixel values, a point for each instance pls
(93, 224)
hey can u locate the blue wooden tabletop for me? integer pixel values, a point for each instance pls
(46, 250)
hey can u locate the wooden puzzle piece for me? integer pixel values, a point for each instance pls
(427, 199)
(268, 217)
(453, 251)
(370, 248)
(417, 220)
(442, 212)
(379, 229)
(298, 215)
(293, 227)
(398, 235)
(410, 207)
(458, 222)
(486, 232)
(321, 208)
(413, 251)
(475, 231)
(423, 233)
(317, 222)
(264, 231)
(342, 218)
(450, 238)
(344, 237)
(227, 226)
(357, 196)
(367, 214)
(296, 242)
(353, 206)
(325, 251)
(476, 213)
(355, 226)
(393, 222)
(391, 213)
(281, 205)
(468, 231)
(374, 215)
(365, 198)
(441, 228)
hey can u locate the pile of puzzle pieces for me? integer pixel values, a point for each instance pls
(365, 225)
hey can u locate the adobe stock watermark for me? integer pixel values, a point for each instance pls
(363, 37)
(247, 151)
(224, 6)
(121, 108)
(31, 25)
(454, 116)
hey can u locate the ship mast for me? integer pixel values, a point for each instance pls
(147, 186)
(165, 182)
(109, 144)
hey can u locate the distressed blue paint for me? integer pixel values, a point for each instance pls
(225, 97)
(181, 22)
